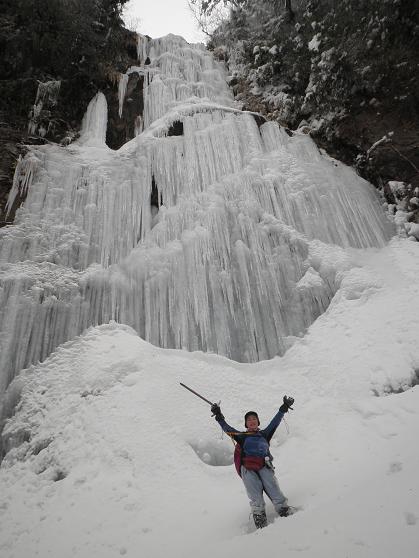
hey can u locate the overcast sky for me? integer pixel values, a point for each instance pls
(160, 17)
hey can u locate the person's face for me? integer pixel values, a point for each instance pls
(252, 423)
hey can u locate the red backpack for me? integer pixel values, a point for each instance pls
(251, 463)
(238, 458)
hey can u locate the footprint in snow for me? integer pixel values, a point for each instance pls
(395, 467)
(411, 518)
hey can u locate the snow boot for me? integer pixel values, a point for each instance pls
(260, 520)
(284, 511)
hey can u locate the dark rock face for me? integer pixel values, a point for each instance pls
(156, 199)
(383, 148)
(259, 119)
(176, 129)
(82, 45)
(121, 129)
(345, 72)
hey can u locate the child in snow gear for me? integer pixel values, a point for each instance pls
(256, 469)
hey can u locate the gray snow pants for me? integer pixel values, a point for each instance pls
(256, 482)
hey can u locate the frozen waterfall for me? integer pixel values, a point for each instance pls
(204, 232)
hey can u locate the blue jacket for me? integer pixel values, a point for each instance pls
(255, 444)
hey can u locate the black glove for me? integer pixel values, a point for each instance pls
(287, 404)
(216, 412)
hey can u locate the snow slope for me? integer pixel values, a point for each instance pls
(112, 457)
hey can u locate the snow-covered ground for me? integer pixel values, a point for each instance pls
(113, 457)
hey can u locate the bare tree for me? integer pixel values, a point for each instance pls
(208, 6)
(209, 14)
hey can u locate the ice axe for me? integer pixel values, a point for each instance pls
(198, 395)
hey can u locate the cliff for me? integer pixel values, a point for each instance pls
(55, 56)
(346, 73)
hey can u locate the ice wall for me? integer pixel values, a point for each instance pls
(204, 232)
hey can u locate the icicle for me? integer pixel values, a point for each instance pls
(122, 90)
(95, 121)
(138, 125)
(141, 47)
(22, 179)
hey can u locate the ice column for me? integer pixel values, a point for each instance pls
(122, 90)
(95, 121)
(141, 47)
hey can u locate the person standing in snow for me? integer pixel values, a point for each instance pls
(256, 469)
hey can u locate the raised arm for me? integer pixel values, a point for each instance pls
(269, 431)
(219, 417)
